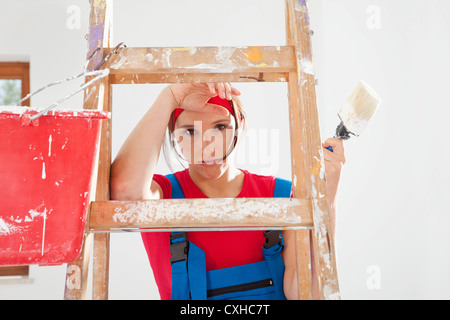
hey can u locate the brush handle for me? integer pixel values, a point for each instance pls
(330, 147)
(341, 133)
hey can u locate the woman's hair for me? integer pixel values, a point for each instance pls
(171, 150)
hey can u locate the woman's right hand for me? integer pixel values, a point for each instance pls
(195, 96)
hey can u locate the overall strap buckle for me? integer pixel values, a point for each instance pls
(273, 237)
(179, 247)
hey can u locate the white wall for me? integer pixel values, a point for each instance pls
(392, 219)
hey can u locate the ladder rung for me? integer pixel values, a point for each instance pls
(166, 64)
(216, 213)
(141, 78)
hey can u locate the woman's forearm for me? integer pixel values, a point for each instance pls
(332, 215)
(134, 165)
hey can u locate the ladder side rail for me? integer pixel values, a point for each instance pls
(314, 170)
(100, 19)
(300, 180)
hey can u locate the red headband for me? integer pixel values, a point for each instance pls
(227, 104)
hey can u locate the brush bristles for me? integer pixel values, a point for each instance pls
(364, 101)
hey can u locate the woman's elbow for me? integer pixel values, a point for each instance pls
(126, 191)
(119, 190)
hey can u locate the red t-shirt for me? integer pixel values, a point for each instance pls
(223, 249)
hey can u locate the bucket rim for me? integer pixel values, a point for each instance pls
(66, 113)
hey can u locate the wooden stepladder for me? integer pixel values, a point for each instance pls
(306, 213)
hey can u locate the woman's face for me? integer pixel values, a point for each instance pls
(204, 139)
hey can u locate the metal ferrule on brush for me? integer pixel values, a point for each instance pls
(342, 132)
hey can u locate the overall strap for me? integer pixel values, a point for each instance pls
(177, 192)
(274, 244)
(179, 247)
(188, 261)
(272, 249)
(188, 269)
(283, 188)
(274, 240)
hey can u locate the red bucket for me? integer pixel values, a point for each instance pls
(46, 170)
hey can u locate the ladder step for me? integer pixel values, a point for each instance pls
(200, 64)
(190, 214)
(141, 78)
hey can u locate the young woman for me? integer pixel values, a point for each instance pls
(203, 123)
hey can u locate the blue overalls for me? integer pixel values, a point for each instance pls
(255, 281)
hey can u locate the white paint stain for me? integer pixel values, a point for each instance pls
(18, 225)
(307, 66)
(43, 171)
(322, 167)
(149, 57)
(163, 212)
(330, 286)
(224, 61)
(64, 145)
(4, 227)
(225, 53)
(43, 231)
(330, 290)
(34, 214)
(65, 113)
(121, 62)
(8, 228)
(300, 7)
(166, 58)
(90, 91)
(50, 145)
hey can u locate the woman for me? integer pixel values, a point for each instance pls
(204, 123)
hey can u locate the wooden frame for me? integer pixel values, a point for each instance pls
(17, 70)
(309, 208)
(20, 71)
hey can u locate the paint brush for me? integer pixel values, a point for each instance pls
(356, 112)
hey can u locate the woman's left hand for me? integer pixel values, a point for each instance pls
(334, 162)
